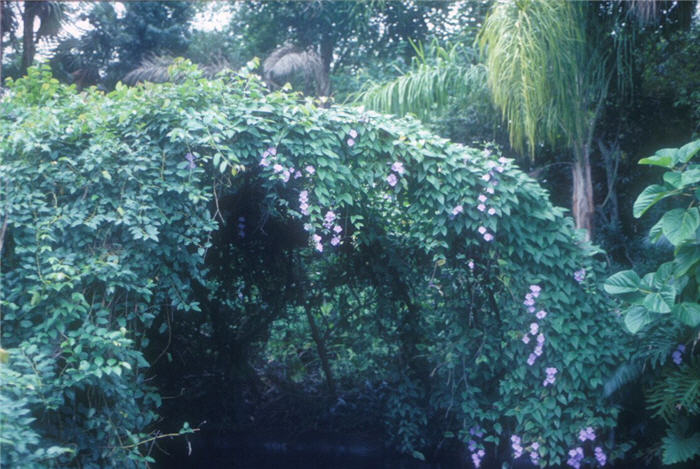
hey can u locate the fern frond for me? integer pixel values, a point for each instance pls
(677, 446)
(675, 392)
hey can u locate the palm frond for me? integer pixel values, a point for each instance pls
(624, 374)
(156, 69)
(289, 63)
(677, 391)
(427, 87)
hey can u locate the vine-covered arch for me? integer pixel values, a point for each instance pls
(213, 204)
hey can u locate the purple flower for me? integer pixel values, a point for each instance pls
(272, 151)
(488, 237)
(482, 198)
(285, 175)
(586, 434)
(678, 354)
(551, 373)
(337, 228)
(541, 314)
(310, 169)
(472, 445)
(351, 142)
(476, 460)
(297, 174)
(535, 289)
(579, 275)
(308, 227)
(470, 264)
(397, 167)
(516, 445)
(391, 179)
(457, 210)
(600, 456)
(503, 160)
(190, 157)
(492, 211)
(526, 339)
(264, 162)
(531, 359)
(481, 230)
(500, 169)
(481, 207)
(486, 177)
(531, 309)
(490, 190)
(534, 327)
(353, 133)
(241, 227)
(540, 338)
(575, 457)
(278, 168)
(529, 300)
(317, 243)
(335, 240)
(538, 350)
(328, 219)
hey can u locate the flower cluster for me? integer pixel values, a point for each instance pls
(352, 136)
(304, 202)
(476, 449)
(529, 302)
(586, 434)
(485, 233)
(516, 445)
(318, 242)
(551, 373)
(575, 457)
(398, 170)
(241, 227)
(264, 162)
(600, 456)
(678, 354)
(580, 275)
(534, 453)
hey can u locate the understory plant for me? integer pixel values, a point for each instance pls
(663, 307)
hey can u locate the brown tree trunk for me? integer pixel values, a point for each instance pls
(582, 197)
(28, 46)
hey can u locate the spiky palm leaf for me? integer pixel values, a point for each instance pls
(289, 63)
(156, 69)
(428, 86)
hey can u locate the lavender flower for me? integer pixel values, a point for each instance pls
(483, 198)
(285, 175)
(457, 210)
(310, 169)
(516, 445)
(678, 354)
(531, 359)
(241, 227)
(490, 189)
(337, 228)
(278, 168)
(351, 142)
(538, 350)
(540, 338)
(600, 456)
(586, 434)
(575, 457)
(317, 242)
(535, 289)
(353, 133)
(397, 167)
(470, 264)
(190, 157)
(335, 240)
(534, 328)
(481, 230)
(541, 314)
(526, 339)
(481, 207)
(488, 237)
(272, 151)
(551, 373)
(486, 177)
(328, 219)
(492, 211)
(579, 275)
(391, 179)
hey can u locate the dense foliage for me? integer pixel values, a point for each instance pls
(211, 203)
(664, 306)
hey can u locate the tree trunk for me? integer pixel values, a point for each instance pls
(321, 349)
(28, 46)
(582, 197)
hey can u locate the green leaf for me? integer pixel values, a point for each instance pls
(690, 177)
(661, 301)
(636, 318)
(679, 224)
(688, 151)
(687, 257)
(688, 313)
(626, 281)
(648, 198)
(664, 158)
(677, 448)
(673, 178)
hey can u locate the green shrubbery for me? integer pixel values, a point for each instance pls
(664, 306)
(212, 204)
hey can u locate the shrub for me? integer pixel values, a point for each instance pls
(147, 207)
